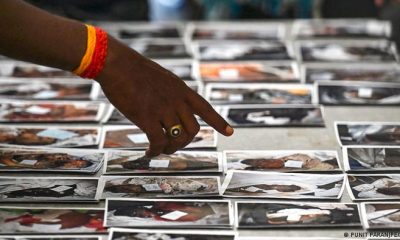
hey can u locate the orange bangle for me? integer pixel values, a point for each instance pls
(90, 45)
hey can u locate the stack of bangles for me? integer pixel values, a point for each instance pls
(95, 56)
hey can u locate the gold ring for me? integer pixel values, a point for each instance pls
(175, 131)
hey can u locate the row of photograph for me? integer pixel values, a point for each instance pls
(196, 214)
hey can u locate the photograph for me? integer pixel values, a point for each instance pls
(143, 234)
(273, 115)
(255, 184)
(45, 135)
(368, 133)
(158, 186)
(35, 220)
(370, 187)
(241, 50)
(183, 68)
(19, 69)
(52, 111)
(123, 30)
(282, 160)
(246, 71)
(363, 72)
(47, 89)
(235, 31)
(161, 213)
(136, 162)
(131, 137)
(346, 51)
(341, 28)
(48, 189)
(50, 160)
(371, 158)
(159, 48)
(381, 215)
(357, 93)
(258, 93)
(47, 237)
(268, 215)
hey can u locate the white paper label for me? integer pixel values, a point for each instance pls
(61, 188)
(236, 97)
(46, 94)
(253, 189)
(37, 110)
(229, 73)
(151, 187)
(46, 228)
(365, 92)
(28, 162)
(57, 134)
(293, 164)
(293, 218)
(138, 138)
(174, 215)
(154, 163)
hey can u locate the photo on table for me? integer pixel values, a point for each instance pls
(371, 187)
(48, 189)
(346, 51)
(367, 133)
(161, 213)
(136, 162)
(258, 93)
(341, 28)
(246, 71)
(47, 89)
(51, 160)
(47, 237)
(158, 186)
(273, 115)
(282, 160)
(241, 50)
(371, 158)
(183, 68)
(13, 111)
(159, 48)
(19, 69)
(131, 137)
(254, 184)
(267, 215)
(144, 234)
(381, 215)
(357, 93)
(36, 220)
(47, 135)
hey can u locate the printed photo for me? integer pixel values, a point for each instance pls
(371, 158)
(381, 215)
(131, 137)
(258, 93)
(254, 184)
(47, 189)
(28, 70)
(374, 187)
(158, 186)
(246, 71)
(169, 213)
(148, 31)
(17, 220)
(126, 162)
(47, 237)
(159, 48)
(180, 67)
(266, 215)
(273, 115)
(49, 135)
(282, 160)
(367, 133)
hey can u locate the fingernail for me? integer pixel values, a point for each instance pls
(229, 130)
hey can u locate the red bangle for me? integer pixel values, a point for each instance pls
(99, 55)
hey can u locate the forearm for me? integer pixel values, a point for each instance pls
(33, 35)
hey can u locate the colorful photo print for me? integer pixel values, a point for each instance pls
(266, 215)
(126, 162)
(28, 70)
(169, 213)
(381, 215)
(282, 160)
(374, 187)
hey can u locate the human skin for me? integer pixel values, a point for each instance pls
(148, 95)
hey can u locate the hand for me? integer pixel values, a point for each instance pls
(155, 99)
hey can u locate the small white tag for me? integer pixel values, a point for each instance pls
(57, 134)
(151, 187)
(293, 218)
(229, 73)
(253, 189)
(37, 110)
(159, 163)
(28, 162)
(46, 94)
(138, 138)
(236, 97)
(293, 164)
(365, 92)
(174, 215)
(46, 228)
(346, 138)
(61, 188)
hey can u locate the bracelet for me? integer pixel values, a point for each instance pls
(95, 56)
